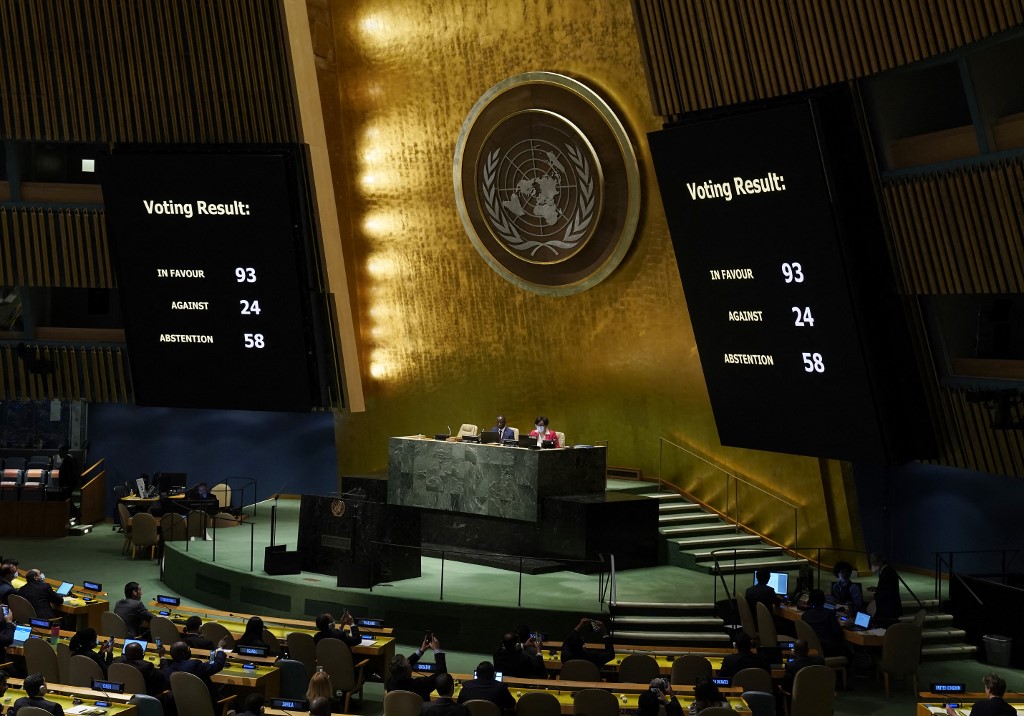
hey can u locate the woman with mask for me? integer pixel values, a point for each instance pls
(541, 432)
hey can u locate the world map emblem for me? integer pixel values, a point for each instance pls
(546, 183)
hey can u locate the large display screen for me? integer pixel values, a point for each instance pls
(777, 320)
(209, 251)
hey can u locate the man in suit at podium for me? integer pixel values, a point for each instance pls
(504, 432)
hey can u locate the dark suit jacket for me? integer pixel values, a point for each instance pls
(888, 607)
(574, 647)
(764, 594)
(735, 663)
(488, 690)
(6, 588)
(156, 681)
(520, 664)
(203, 669)
(443, 706)
(102, 660)
(6, 633)
(38, 702)
(422, 685)
(826, 625)
(994, 706)
(352, 638)
(198, 641)
(41, 596)
(134, 613)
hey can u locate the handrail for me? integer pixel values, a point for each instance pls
(736, 481)
(940, 560)
(96, 465)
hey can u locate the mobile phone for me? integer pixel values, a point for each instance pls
(428, 635)
(7, 611)
(158, 642)
(213, 656)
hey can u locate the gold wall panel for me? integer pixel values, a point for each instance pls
(443, 339)
(98, 374)
(54, 247)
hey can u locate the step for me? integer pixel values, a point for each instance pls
(910, 606)
(680, 623)
(937, 619)
(696, 530)
(693, 638)
(942, 635)
(673, 507)
(686, 518)
(741, 552)
(948, 651)
(713, 542)
(663, 496)
(783, 564)
(705, 607)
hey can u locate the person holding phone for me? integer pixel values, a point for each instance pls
(574, 646)
(181, 660)
(6, 628)
(522, 660)
(660, 694)
(156, 682)
(400, 670)
(326, 629)
(84, 643)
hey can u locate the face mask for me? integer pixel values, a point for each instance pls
(42, 576)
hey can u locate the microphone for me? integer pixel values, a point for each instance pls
(449, 431)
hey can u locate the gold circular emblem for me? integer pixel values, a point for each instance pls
(546, 183)
(338, 508)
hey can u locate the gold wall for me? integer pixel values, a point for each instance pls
(443, 339)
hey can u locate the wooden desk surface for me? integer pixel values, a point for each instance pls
(868, 637)
(184, 611)
(553, 663)
(88, 705)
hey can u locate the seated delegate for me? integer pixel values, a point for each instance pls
(541, 431)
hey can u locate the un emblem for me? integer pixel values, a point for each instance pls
(546, 183)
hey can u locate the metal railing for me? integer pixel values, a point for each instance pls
(732, 511)
(946, 559)
(207, 529)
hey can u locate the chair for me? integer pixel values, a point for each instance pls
(579, 670)
(196, 521)
(595, 702)
(82, 670)
(294, 680)
(21, 608)
(222, 491)
(336, 658)
(164, 629)
(468, 429)
(126, 526)
(40, 656)
(63, 661)
(747, 618)
(515, 434)
(11, 477)
(836, 663)
(33, 711)
(33, 486)
(482, 707)
(214, 631)
(146, 705)
(302, 647)
(144, 534)
(814, 691)
(192, 697)
(639, 669)
(130, 676)
(538, 703)
(173, 527)
(271, 640)
(761, 703)
(38, 462)
(402, 703)
(918, 619)
(688, 668)
(716, 711)
(766, 627)
(901, 652)
(113, 625)
(561, 439)
(753, 679)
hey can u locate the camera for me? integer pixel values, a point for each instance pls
(659, 685)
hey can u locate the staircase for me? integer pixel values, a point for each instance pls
(668, 624)
(940, 640)
(691, 535)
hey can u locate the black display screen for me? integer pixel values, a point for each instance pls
(752, 213)
(209, 253)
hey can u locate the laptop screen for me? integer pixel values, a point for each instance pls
(862, 620)
(141, 643)
(21, 633)
(779, 581)
(64, 589)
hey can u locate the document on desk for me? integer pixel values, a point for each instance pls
(941, 711)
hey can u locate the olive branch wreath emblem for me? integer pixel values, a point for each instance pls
(577, 225)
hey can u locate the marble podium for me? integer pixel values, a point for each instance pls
(488, 480)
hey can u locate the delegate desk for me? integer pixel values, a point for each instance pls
(83, 605)
(936, 703)
(488, 479)
(627, 694)
(866, 638)
(88, 706)
(664, 657)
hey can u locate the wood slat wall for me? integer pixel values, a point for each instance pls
(702, 54)
(63, 248)
(153, 71)
(96, 374)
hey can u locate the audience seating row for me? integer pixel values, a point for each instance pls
(30, 479)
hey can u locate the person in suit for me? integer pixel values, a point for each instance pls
(69, 473)
(444, 705)
(994, 705)
(504, 432)
(888, 607)
(253, 705)
(844, 590)
(6, 630)
(542, 432)
(132, 611)
(650, 702)
(574, 646)
(40, 594)
(192, 637)
(801, 659)
(522, 660)
(156, 682)
(83, 643)
(762, 592)
(7, 574)
(181, 660)
(35, 687)
(327, 630)
(824, 623)
(484, 686)
(744, 658)
(400, 670)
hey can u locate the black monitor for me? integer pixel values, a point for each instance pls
(170, 480)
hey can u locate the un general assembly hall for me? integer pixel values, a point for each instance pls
(601, 356)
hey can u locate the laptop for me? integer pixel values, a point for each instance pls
(527, 442)
(860, 622)
(548, 444)
(489, 436)
(64, 589)
(497, 675)
(779, 581)
(22, 633)
(141, 643)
